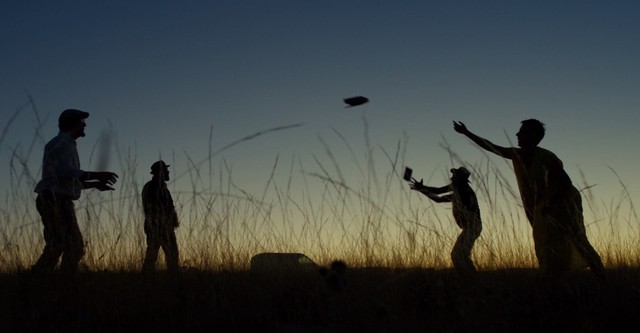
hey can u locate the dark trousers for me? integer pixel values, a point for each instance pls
(165, 238)
(461, 253)
(62, 235)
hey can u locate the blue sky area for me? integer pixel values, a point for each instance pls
(161, 76)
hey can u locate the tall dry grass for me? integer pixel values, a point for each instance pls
(317, 205)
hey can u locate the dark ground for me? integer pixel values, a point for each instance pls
(368, 300)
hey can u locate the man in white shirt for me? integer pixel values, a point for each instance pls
(62, 182)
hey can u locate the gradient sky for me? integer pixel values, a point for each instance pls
(162, 75)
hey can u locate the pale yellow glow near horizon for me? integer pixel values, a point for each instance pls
(419, 235)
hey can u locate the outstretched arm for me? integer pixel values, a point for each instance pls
(484, 143)
(434, 197)
(431, 192)
(418, 186)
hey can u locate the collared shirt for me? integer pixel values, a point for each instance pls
(61, 167)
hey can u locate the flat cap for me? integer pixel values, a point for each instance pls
(159, 165)
(72, 114)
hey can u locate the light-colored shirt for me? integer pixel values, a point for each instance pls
(542, 183)
(61, 167)
(554, 209)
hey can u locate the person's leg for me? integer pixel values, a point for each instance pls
(553, 249)
(590, 255)
(461, 253)
(151, 255)
(73, 241)
(577, 234)
(50, 213)
(170, 248)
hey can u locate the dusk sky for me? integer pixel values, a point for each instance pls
(161, 76)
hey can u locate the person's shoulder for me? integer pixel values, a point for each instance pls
(55, 140)
(468, 189)
(148, 185)
(61, 141)
(546, 153)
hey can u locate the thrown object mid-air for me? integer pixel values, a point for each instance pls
(355, 101)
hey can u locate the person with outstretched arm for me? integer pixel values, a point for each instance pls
(551, 202)
(466, 213)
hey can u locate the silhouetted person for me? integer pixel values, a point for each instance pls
(466, 213)
(160, 219)
(62, 182)
(335, 276)
(552, 204)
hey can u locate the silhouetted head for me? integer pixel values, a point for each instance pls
(72, 121)
(530, 134)
(460, 175)
(339, 266)
(160, 169)
(335, 277)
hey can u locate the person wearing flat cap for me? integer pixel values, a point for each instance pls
(466, 213)
(62, 183)
(160, 220)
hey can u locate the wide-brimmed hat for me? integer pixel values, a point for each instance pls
(461, 173)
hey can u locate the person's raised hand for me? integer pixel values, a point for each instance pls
(417, 185)
(460, 127)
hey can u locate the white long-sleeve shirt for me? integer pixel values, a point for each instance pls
(61, 167)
